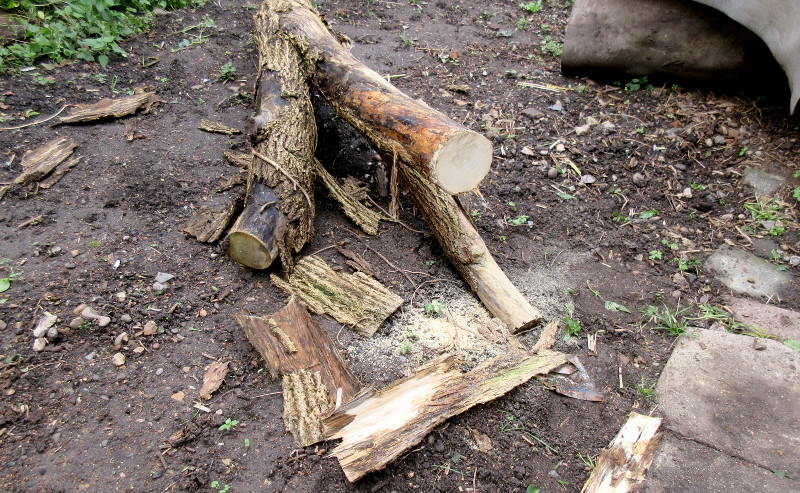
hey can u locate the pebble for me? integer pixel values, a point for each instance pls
(90, 356)
(150, 328)
(759, 344)
(138, 350)
(118, 359)
(556, 107)
(121, 338)
(44, 324)
(159, 371)
(608, 125)
(74, 253)
(55, 250)
(582, 129)
(39, 344)
(590, 120)
(639, 180)
(76, 323)
(588, 179)
(3, 325)
(69, 265)
(552, 173)
(677, 294)
(718, 139)
(126, 319)
(52, 333)
(156, 474)
(120, 296)
(680, 166)
(78, 309)
(726, 217)
(794, 260)
(156, 345)
(89, 313)
(560, 147)
(157, 286)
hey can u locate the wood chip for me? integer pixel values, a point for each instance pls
(59, 172)
(108, 108)
(217, 128)
(356, 300)
(213, 378)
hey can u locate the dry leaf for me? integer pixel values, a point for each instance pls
(213, 378)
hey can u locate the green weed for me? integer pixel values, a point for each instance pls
(226, 73)
(637, 84)
(220, 487)
(572, 328)
(646, 391)
(434, 307)
(532, 7)
(12, 275)
(648, 214)
(228, 425)
(655, 255)
(673, 322)
(551, 46)
(770, 211)
(519, 221)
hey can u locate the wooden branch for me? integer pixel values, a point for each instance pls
(254, 239)
(110, 108)
(441, 150)
(375, 429)
(356, 300)
(622, 465)
(314, 376)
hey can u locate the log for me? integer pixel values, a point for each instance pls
(283, 136)
(209, 223)
(376, 428)
(443, 151)
(406, 132)
(356, 300)
(622, 465)
(315, 378)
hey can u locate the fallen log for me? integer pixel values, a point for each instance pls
(412, 136)
(209, 223)
(622, 465)
(279, 210)
(443, 151)
(315, 379)
(376, 428)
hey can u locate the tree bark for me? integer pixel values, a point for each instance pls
(441, 150)
(284, 137)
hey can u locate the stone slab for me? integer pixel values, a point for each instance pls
(719, 390)
(763, 183)
(782, 323)
(744, 273)
(681, 466)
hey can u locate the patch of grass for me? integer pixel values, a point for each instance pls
(769, 210)
(87, 30)
(796, 194)
(674, 322)
(646, 391)
(522, 23)
(408, 41)
(572, 328)
(588, 461)
(519, 221)
(551, 46)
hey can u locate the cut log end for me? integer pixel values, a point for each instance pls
(462, 162)
(249, 250)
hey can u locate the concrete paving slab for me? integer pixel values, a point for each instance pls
(719, 390)
(681, 466)
(744, 273)
(782, 323)
(763, 183)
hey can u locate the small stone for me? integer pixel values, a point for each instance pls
(588, 179)
(718, 140)
(157, 474)
(150, 328)
(528, 151)
(76, 323)
(138, 350)
(121, 339)
(203, 312)
(759, 344)
(157, 286)
(533, 114)
(156, 345)
(179, 396)
(159, 371)
(794, 260)
(163, 277)
(70, 265)
(90, 356)
(3, 325)
(556, 107)
(677, 294)
(726, 217)
(126, 319)
(608, 125)
(55, 250)
(44, 323)
(52, 333)
(78, 309)
(118, 359)
(560, 147)
(680, 166)
(639, 180)
(582, 129)
(687, 193)
(120, 296)
(552, 173)
(39, 344)
(590, 120)
(88, 313)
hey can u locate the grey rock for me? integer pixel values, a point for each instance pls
(794, 260)
(552, 173)
(158, 286)
(744, 273)
(759, 344)
(126, 318)
(779, 322)
(763, 183)
(163, 277)
(3, 325)
(582, 129)
(588, 179)
(533, 114)
(52, 333)
(639, 180)
(718, 140)
(47, 321)
(159, 371)
(39, 344)
(556, 107)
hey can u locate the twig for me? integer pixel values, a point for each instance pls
(39, 121)
(287, 175)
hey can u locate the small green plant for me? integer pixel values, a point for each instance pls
(476, 215)
(532, 489)
(94, 244)
(655, 255)
(532, 7)
(796, 194)
(646, 391)
(609, 305)
(769, 213)
(522, 23)
(503, 238)
(405, 348)
(637, 84)
(434, 307)
(408, 41)
(228, 425)
(512, 206)
(668, 244)
(551, 46)
(648, 213)
(566, 196)
(688, 264)
(226, 73)
(698, 187)
(519, 221)
(588, 461)
(674, 322)
(618, 217)
(743, 150)
(573, 327)
(429, 263)
(11, 274)
(220, 487)
(246, 443)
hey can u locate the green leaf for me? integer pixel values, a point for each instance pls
(792, 343)
(779, 473)
(532, 489)
(566, 196)
(103, 60)
(5, 283)
(613, 305)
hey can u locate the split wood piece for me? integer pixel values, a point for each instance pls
(366, 219)
(59, 172)
(377, 428)
(315, 378)
(356, 300)
(217, 128)
(212, 379)
(441, 150)
(39, 163)
(467, 251)
(209, 223)
(106, 108)
(284, 138)
(622, 465)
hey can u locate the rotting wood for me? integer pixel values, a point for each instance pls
(209, 223)
(284, 138)
(59, 172)
(441, 150)
(217, 128)
(376, 428)
(108, 108)
(621, 466)
(315, 378)
(357, 262)
(240, 159)
(38, 163)
(366, 219)
(212, 379)
(356, 300)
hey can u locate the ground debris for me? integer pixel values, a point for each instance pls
(106, 108)
(213, 378)
(39, 163)
(209, 223)
(217, 128)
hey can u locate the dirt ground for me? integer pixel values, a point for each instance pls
(658, 170)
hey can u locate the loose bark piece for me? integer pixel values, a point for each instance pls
(622, 465)
(59, 172)
(547, 337)
(217, 128)
(467, 251)
(375, 429)
(355, 299)
(315, 378)
(284, 138)
(39, 163)
(213, 378)
(357, 262)
(366, 219)
(209, 223)
(106, 108)
(449, 154)
(240, 159)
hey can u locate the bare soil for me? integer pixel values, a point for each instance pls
(70, 420)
